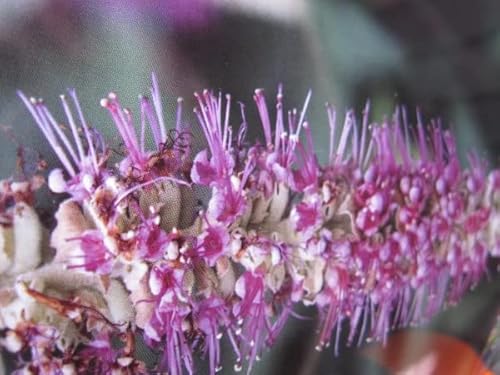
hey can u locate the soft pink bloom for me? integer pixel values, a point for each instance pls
(383, 235)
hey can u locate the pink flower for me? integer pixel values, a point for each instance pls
(85, 167)
(214, 243)
(96, 257)
(218, 134)
(381, 236)
(307, 216)
(140, 164)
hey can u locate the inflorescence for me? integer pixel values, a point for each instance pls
(385, 234)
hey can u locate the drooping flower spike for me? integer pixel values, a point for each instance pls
(390, 230)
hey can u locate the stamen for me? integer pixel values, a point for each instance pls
(86, 130)
(155, 94)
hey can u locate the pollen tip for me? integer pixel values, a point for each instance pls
(104, 102)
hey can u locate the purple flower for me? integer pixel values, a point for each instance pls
(140, 164)
(203, 172)
(102, 355)
(152, 243)
(307, 216)
(218, 134)
(209, 315)
(228, 201)
(96, 257)
(214, 242)
(84, 166)
(385, 234)
(250, 289)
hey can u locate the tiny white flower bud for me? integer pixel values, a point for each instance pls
(56, 181)
(88, 182)
(172, 250)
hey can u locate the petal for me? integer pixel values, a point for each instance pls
(279, 202)
(119, 305)
(203, 172)
(71, 223)
(56, 181)
(6, 248)
(27, 239)
(141, 299)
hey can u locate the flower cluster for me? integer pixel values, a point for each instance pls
(385, 234)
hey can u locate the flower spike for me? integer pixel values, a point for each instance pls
(187, 251)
